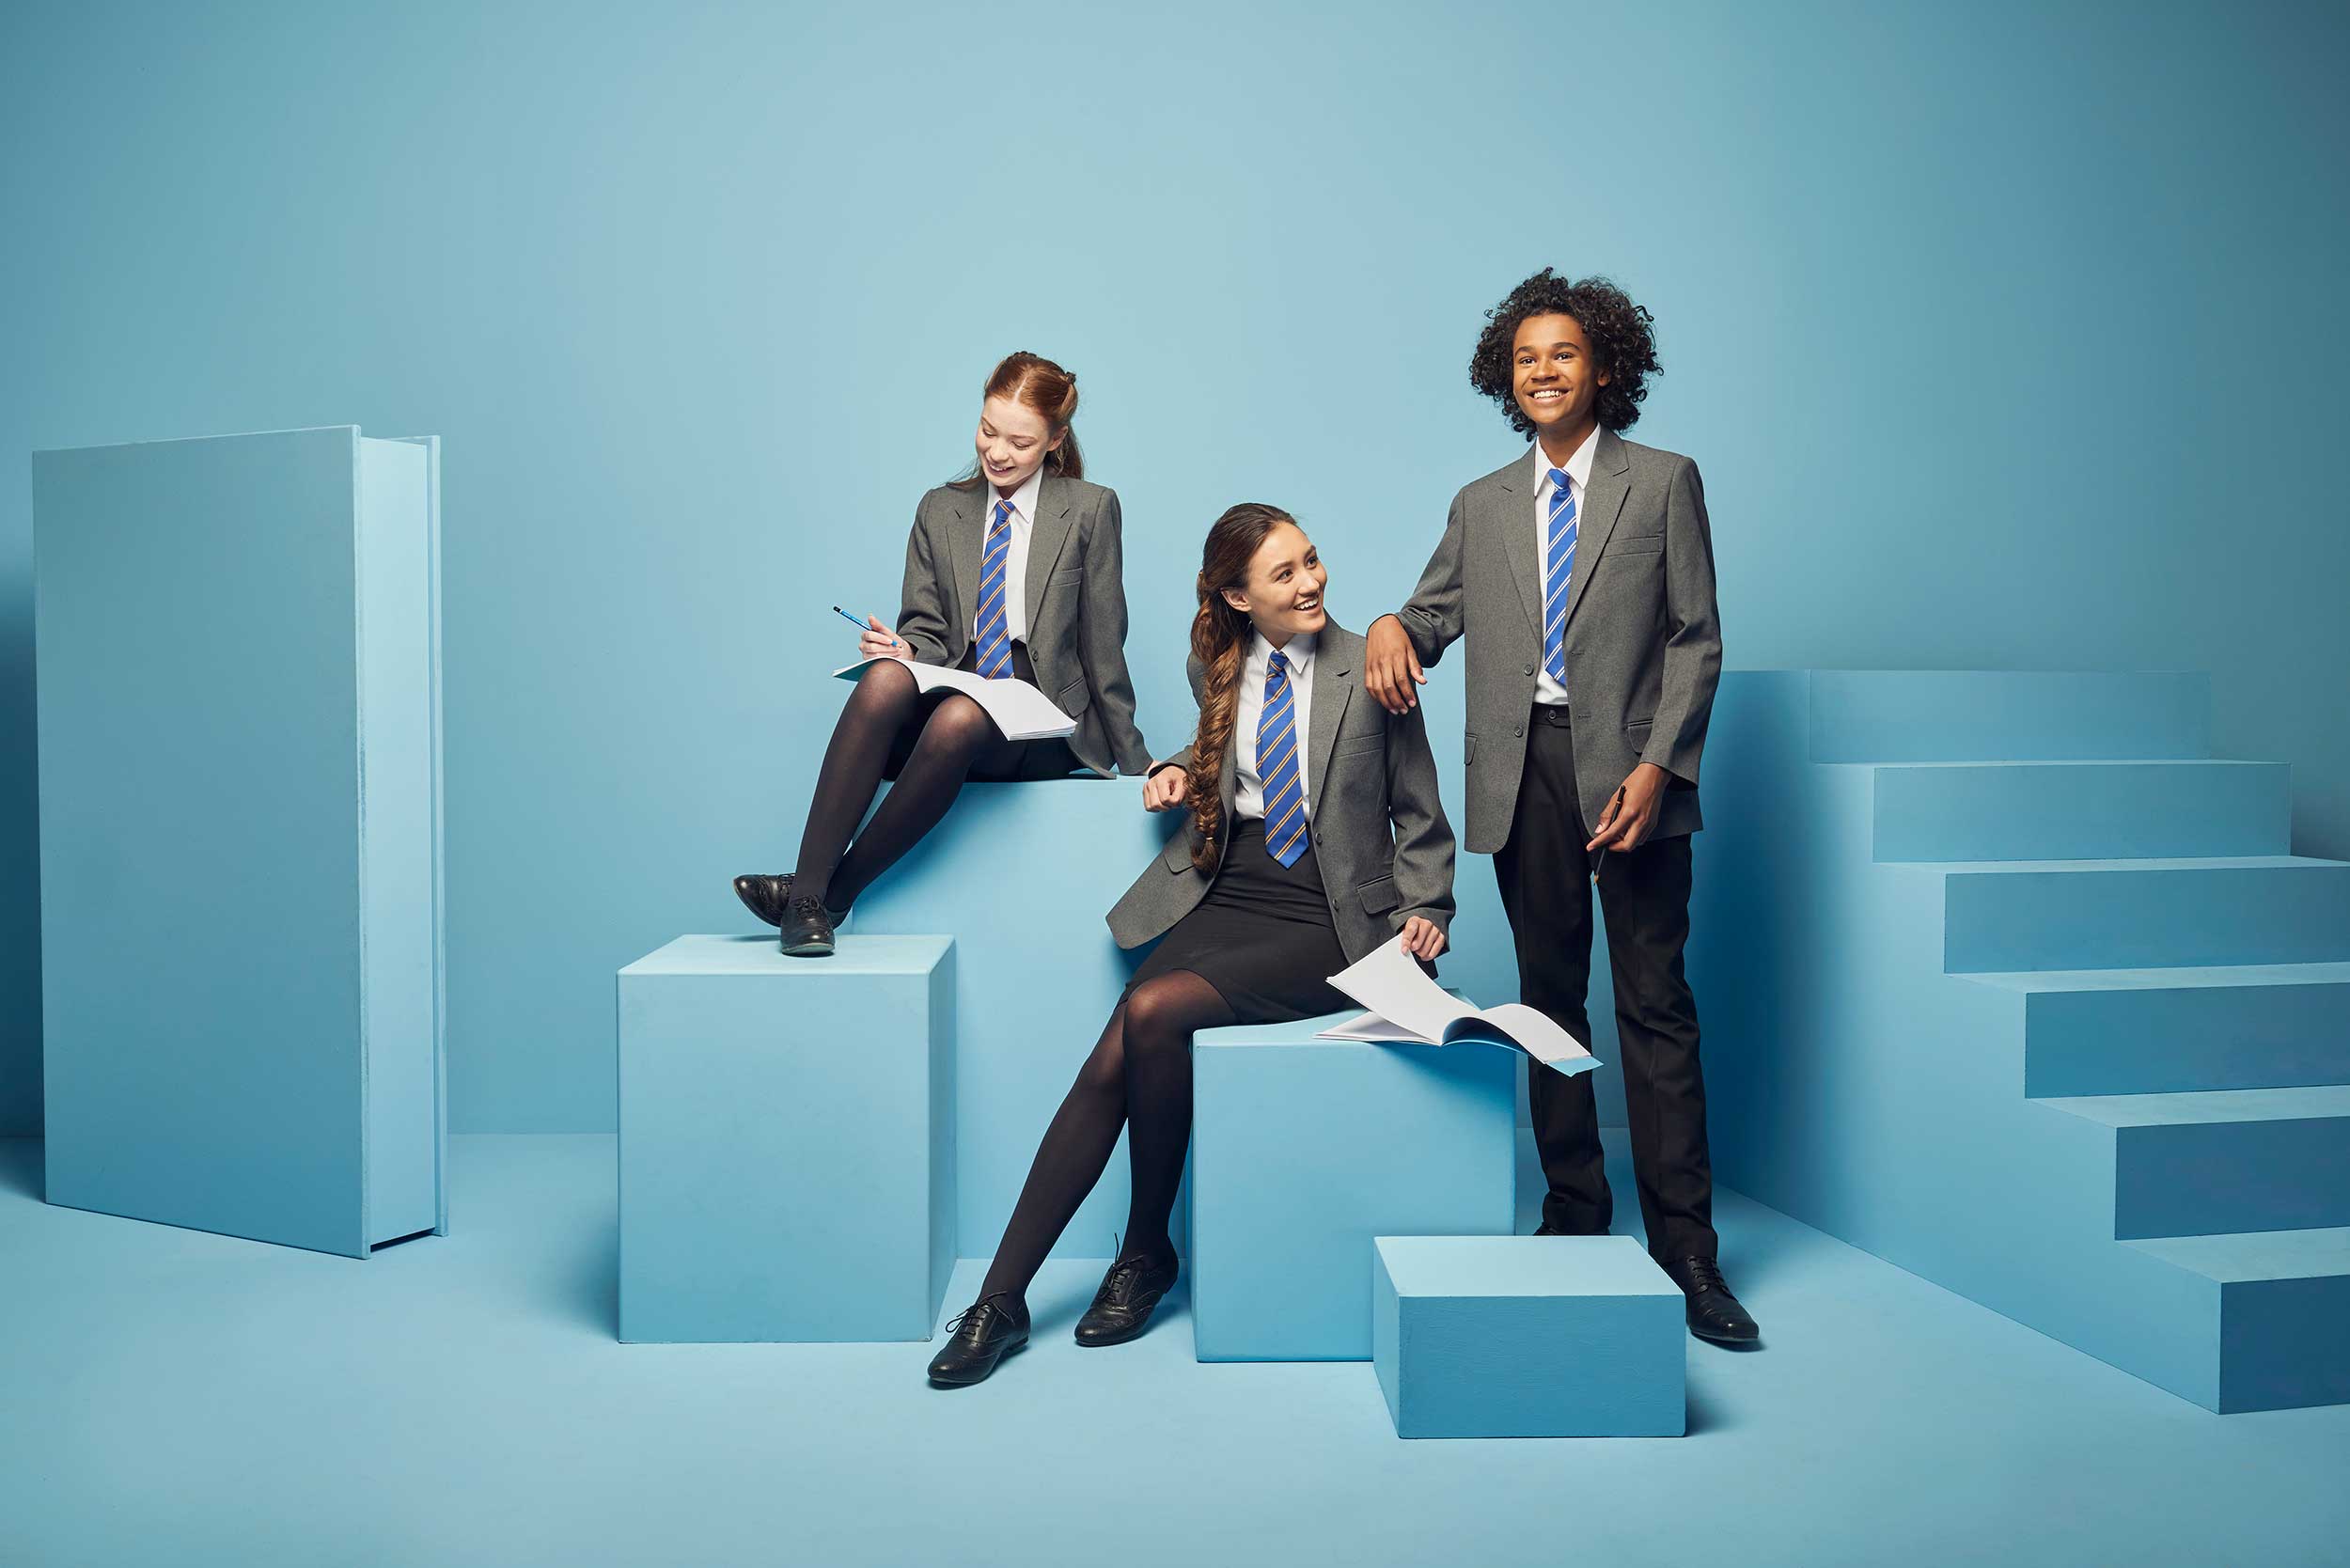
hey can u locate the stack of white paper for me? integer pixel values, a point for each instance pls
(1019, 710)
(1409, 1008)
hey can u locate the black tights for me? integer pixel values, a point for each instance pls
(957, 738)
(1138, 1076)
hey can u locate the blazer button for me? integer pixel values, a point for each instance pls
(1530, 669)
(1519, 731)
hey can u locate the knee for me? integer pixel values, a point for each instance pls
(1154, 1021)
(958, 722)
(885, 684)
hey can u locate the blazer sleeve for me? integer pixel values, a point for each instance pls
(1102, 638)
(923, 613)
(1432, 617)
(1423, 839)
(1693, 641)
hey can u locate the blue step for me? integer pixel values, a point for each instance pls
(1527, 1337)
(2280, 1299)
(2159, 1031)
(2143, 914)
(2003, 716)
(2082, 810)
(2224, 1160)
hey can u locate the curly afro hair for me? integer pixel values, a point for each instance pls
(1622, 337)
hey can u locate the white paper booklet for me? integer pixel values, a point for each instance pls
(1409, 1008)
(1019, 710)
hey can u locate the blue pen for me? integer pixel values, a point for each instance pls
(864, 625)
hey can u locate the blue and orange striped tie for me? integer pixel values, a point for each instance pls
(1558, 568)
(1276, 765)
(995, 635)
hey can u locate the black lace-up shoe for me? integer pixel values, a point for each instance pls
(764, 896)
(1123, 1306)
(1714, 1313)
(806, 929)
(981, 1335)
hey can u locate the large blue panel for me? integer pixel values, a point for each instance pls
(1303, 1150)
(1528, 1337)
(2217, 1161)
(207, 921)
(783, 1160)
(1931, 715)
(2144, 913)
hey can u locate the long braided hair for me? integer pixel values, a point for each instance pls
(1220, 636)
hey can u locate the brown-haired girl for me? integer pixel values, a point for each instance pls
(1013, 572)
(1315, 836)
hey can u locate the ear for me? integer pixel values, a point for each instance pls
(1054, 444)
(1238, 599)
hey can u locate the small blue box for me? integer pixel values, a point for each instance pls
(787, 1140)
(1303, 1150)
(1528, 1337)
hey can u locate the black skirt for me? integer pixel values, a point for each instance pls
(1000, 761)
(1262, 936)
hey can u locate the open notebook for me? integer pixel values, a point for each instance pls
(1019, 710)
(1409, 1008)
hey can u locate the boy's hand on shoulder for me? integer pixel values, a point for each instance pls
(1390, 667)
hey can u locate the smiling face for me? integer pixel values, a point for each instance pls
(1011, 442)
(1556, 381)
(1282, 593)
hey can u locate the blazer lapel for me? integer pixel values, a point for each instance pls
(1602, 499)
(1334, 686)
(1517, 533)
(1047, 533)
(963, 547)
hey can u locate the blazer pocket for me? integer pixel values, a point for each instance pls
(1468, 750)
(1071, 698)
(1652, 545)
(1640, 724)
(1177, 854)
(1357, 746)
(1074, 576)
(1378, 895)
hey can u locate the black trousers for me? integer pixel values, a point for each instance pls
(1545, 880)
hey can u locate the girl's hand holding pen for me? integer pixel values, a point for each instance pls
(876, 641)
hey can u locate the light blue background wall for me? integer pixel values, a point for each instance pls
(2004, 338)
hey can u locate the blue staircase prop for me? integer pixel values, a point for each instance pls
(787, 1140)
(1527, 1337)
(2007, 981)
(1305, 1150)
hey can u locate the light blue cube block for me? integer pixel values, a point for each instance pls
(240, 729)
(1304, 1150)
(787, 1140)
(1527, 1337)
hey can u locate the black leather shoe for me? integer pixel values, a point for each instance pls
(1547, 1229)
(764, 896)
(1714, 1313)
(981, 1335)
(806, 929)
(1122, 1307)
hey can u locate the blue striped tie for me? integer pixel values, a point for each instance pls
(995, 635)
(1276, 765)
(1558, 567)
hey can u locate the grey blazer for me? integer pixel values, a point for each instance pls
(1075, 594)
(1643, 640)
(1379, 831)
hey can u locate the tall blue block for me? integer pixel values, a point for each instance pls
(787, 1140)
(1528, 1337)
(1022, 875)
(1304, 1150)
(240, 720)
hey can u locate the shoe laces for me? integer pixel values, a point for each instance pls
(811, 905)
(1705, 1275)
(975, 1314)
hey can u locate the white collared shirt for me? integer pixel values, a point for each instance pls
(1547, 691)
(1016, 559)
(1248, 793)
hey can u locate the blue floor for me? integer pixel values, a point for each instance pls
(171, 1397)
